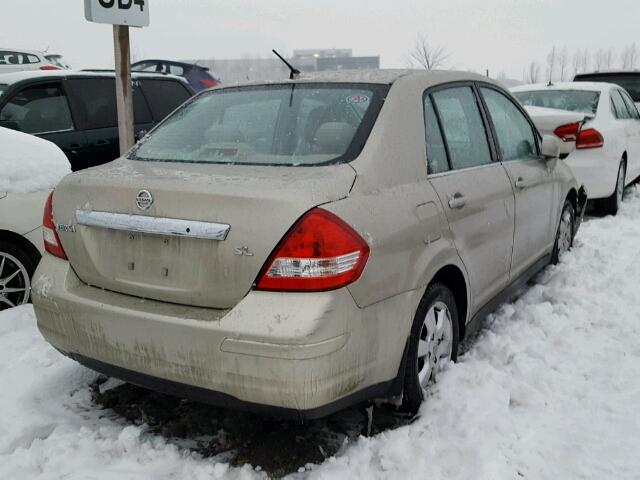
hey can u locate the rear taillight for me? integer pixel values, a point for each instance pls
(51, 240)
(209, 83)
(321, 252)
(589, 138)
(50, 67)
(568, 133)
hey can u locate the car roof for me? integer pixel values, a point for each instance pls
(581, 86)
(173, 62)
(15, 77)
(380, 76)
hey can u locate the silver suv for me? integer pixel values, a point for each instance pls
(302, 246)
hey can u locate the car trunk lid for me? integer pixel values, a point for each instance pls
(194, 234)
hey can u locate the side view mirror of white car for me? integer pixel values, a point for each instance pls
(550, 147)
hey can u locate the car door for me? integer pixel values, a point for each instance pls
(94, 100)
(42, 109)
(533, 179)
(474, 189)
(633, 156)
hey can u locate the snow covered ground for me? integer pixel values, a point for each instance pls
(549, 390)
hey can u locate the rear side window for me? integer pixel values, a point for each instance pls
(633, 110)
(96, 99)
(619, 107)
(436, 151)
(462, 127)
(37, 110)
(164, 96)
(516, 137)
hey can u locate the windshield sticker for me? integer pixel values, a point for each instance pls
(357, 99)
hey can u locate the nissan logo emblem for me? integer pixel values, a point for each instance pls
(144, 200)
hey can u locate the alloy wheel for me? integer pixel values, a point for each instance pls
(620, 184)
(15, 285)
(435, 344)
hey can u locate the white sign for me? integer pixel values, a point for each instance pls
(134, 13)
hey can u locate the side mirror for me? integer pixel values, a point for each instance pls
(550, 147)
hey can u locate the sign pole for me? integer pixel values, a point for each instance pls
(124, 90)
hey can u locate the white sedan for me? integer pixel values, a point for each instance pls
(607, 142)
(30, 168)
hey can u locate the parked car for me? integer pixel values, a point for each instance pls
(77, 110)
(607, 156)
(200, 78)
(628, 80)
(30, 168)
(15, 60)
(298, 247)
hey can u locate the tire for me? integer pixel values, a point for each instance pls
(565, 232)
(611, 205)
(17, 266)
(419, 373)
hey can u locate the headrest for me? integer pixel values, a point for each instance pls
(335, 137)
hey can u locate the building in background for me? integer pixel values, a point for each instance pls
(232, 71)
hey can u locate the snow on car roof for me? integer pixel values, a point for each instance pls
(10, 78)
(583, 86)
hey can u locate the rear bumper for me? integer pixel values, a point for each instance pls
(303, 355)
(596, 170)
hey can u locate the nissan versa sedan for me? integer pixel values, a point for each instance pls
(301, 246)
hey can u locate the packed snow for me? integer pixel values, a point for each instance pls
(29, 164)
(549, 390)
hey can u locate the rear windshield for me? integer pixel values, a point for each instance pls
(631, 83)
(573, 100)
(293, 124)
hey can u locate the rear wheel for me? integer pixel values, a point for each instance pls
(433, 344)
(610, 206)
(564, 235)
(16, 270)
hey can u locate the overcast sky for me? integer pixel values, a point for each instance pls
(501, 35)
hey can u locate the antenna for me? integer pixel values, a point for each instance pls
(294, 71)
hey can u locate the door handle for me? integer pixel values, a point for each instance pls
(457, 201)
(521, 183)
(102, 143)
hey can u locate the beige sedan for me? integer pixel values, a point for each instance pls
(302, 246)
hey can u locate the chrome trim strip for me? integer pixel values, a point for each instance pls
(153, 225)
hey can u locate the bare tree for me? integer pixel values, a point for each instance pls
(563, 63)
(552, 59)
(427, 55)
(600, 58)
(630, 57)
(576, 63)
(584, 61)
(532, 73)
(610, 57)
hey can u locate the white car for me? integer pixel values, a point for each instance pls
(551, 121)
(18, 60)
(607, 155)
(30, 167)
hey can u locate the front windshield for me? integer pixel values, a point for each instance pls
(292, 124)
(580, 101)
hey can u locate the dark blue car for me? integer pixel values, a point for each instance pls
(198, 77)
